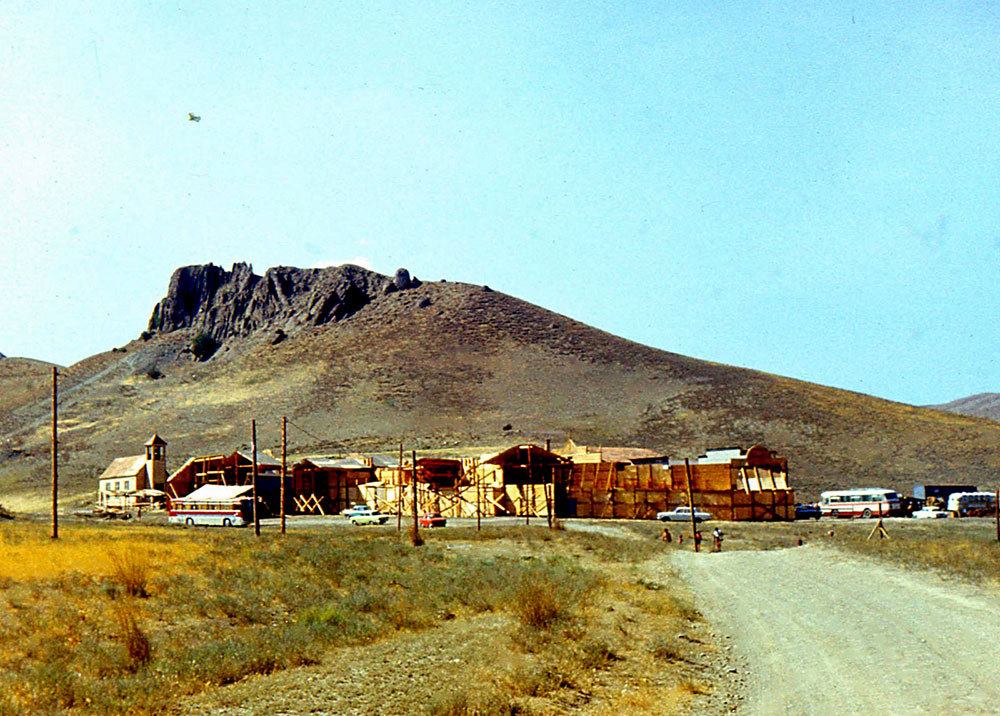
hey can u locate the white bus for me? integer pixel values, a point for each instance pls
(972, 504)
(219, 505)
(861, 502)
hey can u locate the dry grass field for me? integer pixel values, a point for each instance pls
(136, 618)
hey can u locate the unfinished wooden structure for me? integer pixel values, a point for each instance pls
(233, 469)
(524, 480)
(728, 483)
(326, 485)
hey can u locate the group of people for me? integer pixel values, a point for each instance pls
(716, 539)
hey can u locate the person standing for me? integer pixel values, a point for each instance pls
(716, 540)
(697, 540)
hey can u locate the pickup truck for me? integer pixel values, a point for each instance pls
(682, 514)
(369, 518)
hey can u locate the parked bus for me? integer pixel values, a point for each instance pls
(862, 502)
(219, 505)
(972, 504)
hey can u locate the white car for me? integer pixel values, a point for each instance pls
(355, 510)
(682, 514)
(369, 518)
(928, 512)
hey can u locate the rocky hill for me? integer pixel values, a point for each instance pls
(983, 405)
(361, 361)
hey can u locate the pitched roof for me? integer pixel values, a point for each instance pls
(342, 463)
(218, 492)
(155, 440)
(124, 467)
(262, 458)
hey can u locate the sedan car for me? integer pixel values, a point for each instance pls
(432, 521)
(928, 512)
(358, 509)
(809, 511)
(369, 518)
(682, 514)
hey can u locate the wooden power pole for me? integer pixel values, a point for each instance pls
(399, 491)
(55, 454)
(284, 469)
(253, 452)
(413, 480)
(694, 522)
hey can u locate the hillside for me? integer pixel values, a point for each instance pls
(447, 365)
(982, 405)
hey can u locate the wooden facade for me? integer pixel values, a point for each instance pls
(233, 469)
(325, 485)
(729, 484)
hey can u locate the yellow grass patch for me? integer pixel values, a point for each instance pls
(29, 553)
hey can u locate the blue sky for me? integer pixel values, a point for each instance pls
(809, 189)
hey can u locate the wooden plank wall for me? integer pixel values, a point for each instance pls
(640, 491)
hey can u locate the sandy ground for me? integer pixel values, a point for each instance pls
(816, 631)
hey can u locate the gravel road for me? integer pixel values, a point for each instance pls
(817, 631)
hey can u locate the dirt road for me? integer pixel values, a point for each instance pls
(816, 631)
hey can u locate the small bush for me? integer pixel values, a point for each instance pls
(485, 700)
(154, 373)
(666, 648)
(144, 336)
(203, 346)
(131, 573)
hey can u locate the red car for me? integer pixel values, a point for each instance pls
(432, 521)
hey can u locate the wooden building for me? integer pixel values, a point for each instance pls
(233, 469)
(326, 485)
(133, 481)
(728, 483)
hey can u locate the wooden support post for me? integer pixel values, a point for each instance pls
(55, 453)
(416, 526)
(694, 523)
(399, 491)
(527, 511)
(550, 499)
(253, 452)
(479, 484)
(284, 467)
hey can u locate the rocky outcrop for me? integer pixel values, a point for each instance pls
(226, 304)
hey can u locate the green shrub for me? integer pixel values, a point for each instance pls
(203, 346)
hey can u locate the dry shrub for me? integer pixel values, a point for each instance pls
(536, 606)
(138, 651)
(486, 700)
(130, 572)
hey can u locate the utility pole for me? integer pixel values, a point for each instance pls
(527, 508)
(55, 453)
(399, 491)
(416, 526)
(253, 450)
(479, 485)
(284, 473)
(694, 523)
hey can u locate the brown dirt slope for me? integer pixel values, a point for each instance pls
(449, 364)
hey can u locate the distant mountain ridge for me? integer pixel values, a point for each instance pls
(361, 361)
(983, 405)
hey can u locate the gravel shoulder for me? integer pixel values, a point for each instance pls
(818, 631)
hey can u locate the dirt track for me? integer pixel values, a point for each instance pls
(816, 631)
